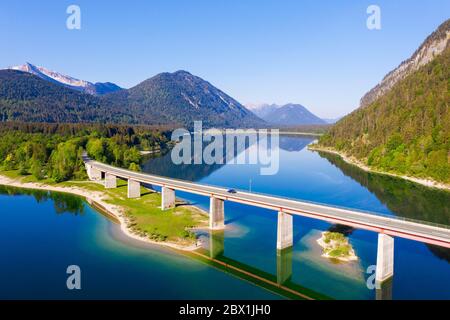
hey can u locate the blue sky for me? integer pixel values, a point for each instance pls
(318, 53)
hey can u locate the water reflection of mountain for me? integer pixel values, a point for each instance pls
(402, 197)
(63, 203)
(164, 166)
(294, 143)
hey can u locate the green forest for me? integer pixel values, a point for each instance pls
(54, 151)
(406, 131)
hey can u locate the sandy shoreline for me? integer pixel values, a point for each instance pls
(99, 200)
(351, 160)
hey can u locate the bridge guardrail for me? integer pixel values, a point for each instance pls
(434, 224)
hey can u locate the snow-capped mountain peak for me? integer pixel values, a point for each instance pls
(62, 79)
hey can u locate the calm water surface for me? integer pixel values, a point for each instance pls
(421, 271)
(42, 233)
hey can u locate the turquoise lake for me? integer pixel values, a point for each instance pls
(42, 233)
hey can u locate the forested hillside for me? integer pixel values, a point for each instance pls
(53, 151)
(25, 97)
(407, 130)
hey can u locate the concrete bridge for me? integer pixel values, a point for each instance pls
(386, 227)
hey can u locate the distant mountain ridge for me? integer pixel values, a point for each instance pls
(98, 88)
(286, 115)
(178, 98)
(262, 110)
(433, 46)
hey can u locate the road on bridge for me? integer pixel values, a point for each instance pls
(415, 230)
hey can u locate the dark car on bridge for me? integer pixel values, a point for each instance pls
(231, 191)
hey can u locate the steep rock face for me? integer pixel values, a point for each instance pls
(433, 46)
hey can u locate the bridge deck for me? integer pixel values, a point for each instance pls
(437, 235)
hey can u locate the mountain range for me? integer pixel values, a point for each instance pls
(286, 115)
(176, 98)
(35, 94)
(403, 124)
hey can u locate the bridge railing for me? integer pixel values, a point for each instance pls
(390, 216)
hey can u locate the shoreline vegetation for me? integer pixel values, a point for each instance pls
(336, 246)
(358, 163)
(140, 219)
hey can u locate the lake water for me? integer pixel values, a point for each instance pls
(421, 271)
(42, 233)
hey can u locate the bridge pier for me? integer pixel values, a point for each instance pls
(110, 181)
(216, 214)
(216, 243)
(284, 231)
(385, 258)
(384, 292)
(134, 189)
(284, 265)
(93, 173)
(167, 198)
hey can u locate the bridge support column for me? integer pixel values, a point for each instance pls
(93, 173)
(216, 243)
(384, 292)
(134, 189)
(110, 181)
(385, 258)
(284, 231)
(216, 213)
(284, 265)
(167, 198)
